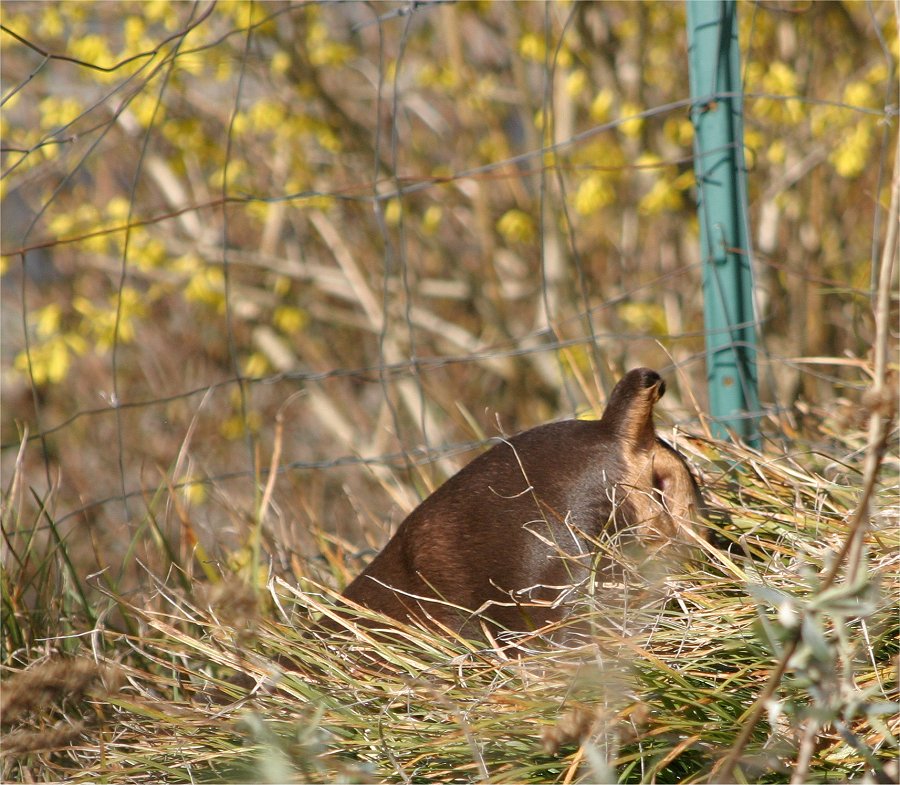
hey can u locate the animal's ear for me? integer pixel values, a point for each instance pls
(629, 411)
(638, 382)
(674, 481)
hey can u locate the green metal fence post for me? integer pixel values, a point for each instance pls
(717, 116)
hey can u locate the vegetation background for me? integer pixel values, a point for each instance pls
(272, 271)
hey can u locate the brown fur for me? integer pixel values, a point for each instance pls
(504, 538)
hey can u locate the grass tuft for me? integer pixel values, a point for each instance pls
(234, 680)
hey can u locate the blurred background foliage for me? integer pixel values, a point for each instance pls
(437, 222)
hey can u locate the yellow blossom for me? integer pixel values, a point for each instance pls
(57, 112)
(576, 82)
(256, 365)
(516, 226)
(281, 61)
(432, 219)
(601, 105)
(661, 197)
(533, 47)
(593, 193)
(392, 212)
(631, 125)
(776, 153)
(859, 94)
(289, 320)
(51, 24)
(853, 152)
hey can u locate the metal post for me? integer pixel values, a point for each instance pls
(717, 115)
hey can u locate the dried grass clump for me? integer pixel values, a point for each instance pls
(61, 734)
(763, 652)
(55, 684)
(62, 687)
(668, 664)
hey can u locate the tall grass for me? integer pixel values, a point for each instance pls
(222, 674)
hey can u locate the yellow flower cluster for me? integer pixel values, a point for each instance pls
(516, 226)
(116, 322)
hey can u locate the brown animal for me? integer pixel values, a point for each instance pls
(503, 539)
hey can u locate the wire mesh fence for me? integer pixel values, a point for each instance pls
(410, 228)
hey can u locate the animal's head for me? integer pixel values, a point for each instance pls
(664, 501)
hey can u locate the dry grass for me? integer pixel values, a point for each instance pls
(221, 681)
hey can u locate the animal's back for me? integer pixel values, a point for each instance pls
(488, 532)
(514, 529)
